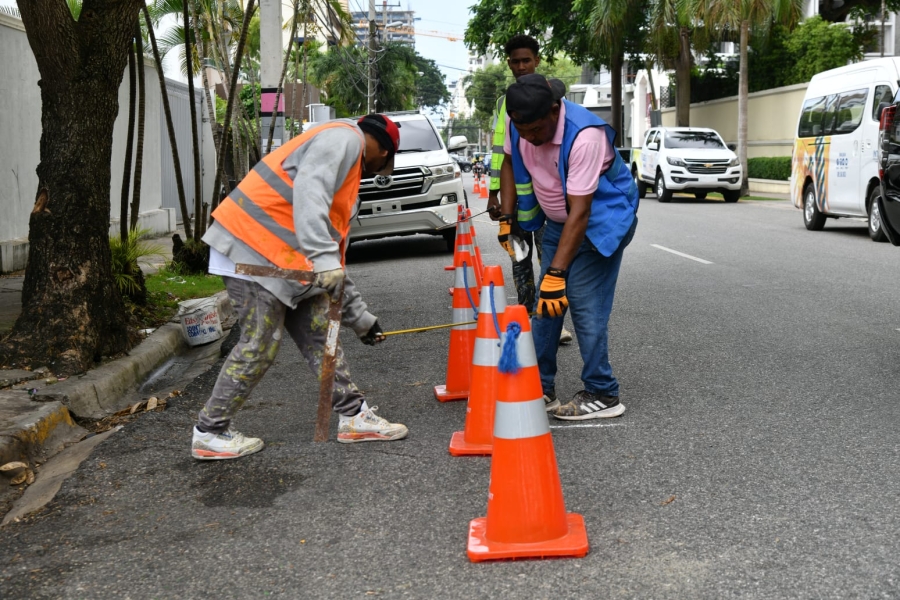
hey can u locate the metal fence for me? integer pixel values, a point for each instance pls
(181, 119)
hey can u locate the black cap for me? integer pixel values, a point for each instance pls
(531, 97)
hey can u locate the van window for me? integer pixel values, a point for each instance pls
(831, 103)
(883, 93)
(850, 111)
(811, 118)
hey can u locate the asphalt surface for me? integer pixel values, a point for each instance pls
(757, 457)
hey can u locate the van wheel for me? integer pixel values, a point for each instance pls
(641, 186)
(875, 230)
(731, 195)
(812, 218)
(662, 194)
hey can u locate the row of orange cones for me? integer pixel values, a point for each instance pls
(505, 417)
(480, 187)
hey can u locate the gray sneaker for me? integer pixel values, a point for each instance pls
(550, 401)
(223, 446)
(586, 405)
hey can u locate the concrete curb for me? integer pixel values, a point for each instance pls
(40, 424)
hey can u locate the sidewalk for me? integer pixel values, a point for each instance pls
(37, 411)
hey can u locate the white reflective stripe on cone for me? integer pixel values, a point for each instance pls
(525, 352)
(469, 280)
(487, 352)
(463, 227)
(464, 315)
(520, 420)
(467, 247)
(499, 299)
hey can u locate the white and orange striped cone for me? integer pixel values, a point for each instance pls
(476, 189)
(478, 436)
(462, 336)
(483, 193)
(526, 513)
(479, 265)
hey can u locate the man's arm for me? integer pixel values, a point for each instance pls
(508, 196)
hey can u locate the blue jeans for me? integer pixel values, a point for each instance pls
(590, 287)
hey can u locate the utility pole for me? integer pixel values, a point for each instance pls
(370, 93)
(270, 51)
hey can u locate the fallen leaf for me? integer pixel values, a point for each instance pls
(12, 466)
(20, 478)
(102, 465)
(136, 407)
(29, 478)
(668, 500)
(152, 403)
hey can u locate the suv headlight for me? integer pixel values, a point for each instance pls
(735, 162)
(442, 172)
(675, 162)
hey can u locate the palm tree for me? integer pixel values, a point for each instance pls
(672, 28)
(129, 144)
(744, 15)
(142, 112)
(179, 182)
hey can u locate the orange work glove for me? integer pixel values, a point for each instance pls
(503, 235)
(552, 301)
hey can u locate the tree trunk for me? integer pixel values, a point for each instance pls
(142, 114)
(195, 143)
(615, 73)
(72, 312)
(170, 127)
(683, 80)
(204, 50)
(129, 145)
(743, 101)
(220, 155)
(654, 104)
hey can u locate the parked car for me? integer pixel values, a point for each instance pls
(423, 192)
(834, 171)
(465, 165)
(887, 203)
(692, 160)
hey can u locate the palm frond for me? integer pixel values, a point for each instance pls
(10, 11)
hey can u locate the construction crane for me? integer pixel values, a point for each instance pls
(452, 37)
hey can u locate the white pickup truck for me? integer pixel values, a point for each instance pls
(691, 160)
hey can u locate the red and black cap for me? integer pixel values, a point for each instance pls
(386, 132)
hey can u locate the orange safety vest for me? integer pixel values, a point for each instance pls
(260, 212)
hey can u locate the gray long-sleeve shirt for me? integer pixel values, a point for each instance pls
(318, 168)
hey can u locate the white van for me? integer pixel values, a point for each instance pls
(834, 171)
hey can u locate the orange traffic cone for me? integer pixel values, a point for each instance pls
(462, 337)
(477, 188)
(460, 217)
(526, 513)
(478, 436)
(483, 193)
(479, 266)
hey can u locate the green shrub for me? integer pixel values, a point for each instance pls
(769, 167)
(125, 268)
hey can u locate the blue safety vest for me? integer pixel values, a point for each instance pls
(615, 200)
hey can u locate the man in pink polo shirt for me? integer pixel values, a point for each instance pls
(562, 171)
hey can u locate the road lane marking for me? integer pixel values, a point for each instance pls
(682, 254)
(587, 425)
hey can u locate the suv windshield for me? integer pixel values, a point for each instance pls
(693, 139)
(418, 136)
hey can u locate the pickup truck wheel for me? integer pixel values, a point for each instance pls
(641, 186)
(450, 239)
(812, 218)
(662, 194)
(875, 230)
(731, 195)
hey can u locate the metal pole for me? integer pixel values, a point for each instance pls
(370, 93)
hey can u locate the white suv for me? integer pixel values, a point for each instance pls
(692, 160)
(422, 193)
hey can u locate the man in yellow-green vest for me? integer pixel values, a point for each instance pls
(522, 57)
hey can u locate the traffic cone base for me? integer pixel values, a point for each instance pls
(441, 393)
(460, 447)
(573, 544)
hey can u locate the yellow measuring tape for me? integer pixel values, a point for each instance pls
(429, 328)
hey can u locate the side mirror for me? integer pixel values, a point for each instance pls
(457, 142)
(732, 147)
(880, 109)
(653, 146)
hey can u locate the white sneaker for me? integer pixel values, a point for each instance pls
(368, 427)
(222, 446)
(565, 337)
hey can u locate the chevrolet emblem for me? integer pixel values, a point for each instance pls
(708, 165)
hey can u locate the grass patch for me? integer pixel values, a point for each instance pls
(166, 288)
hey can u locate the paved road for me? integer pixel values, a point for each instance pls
(761, 394)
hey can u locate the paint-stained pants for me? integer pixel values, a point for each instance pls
(262, 318)
(523, 271)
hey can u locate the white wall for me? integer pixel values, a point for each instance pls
(20, 133)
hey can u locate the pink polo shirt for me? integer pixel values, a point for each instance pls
(591, 155)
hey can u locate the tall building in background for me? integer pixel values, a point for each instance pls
(394, 24)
